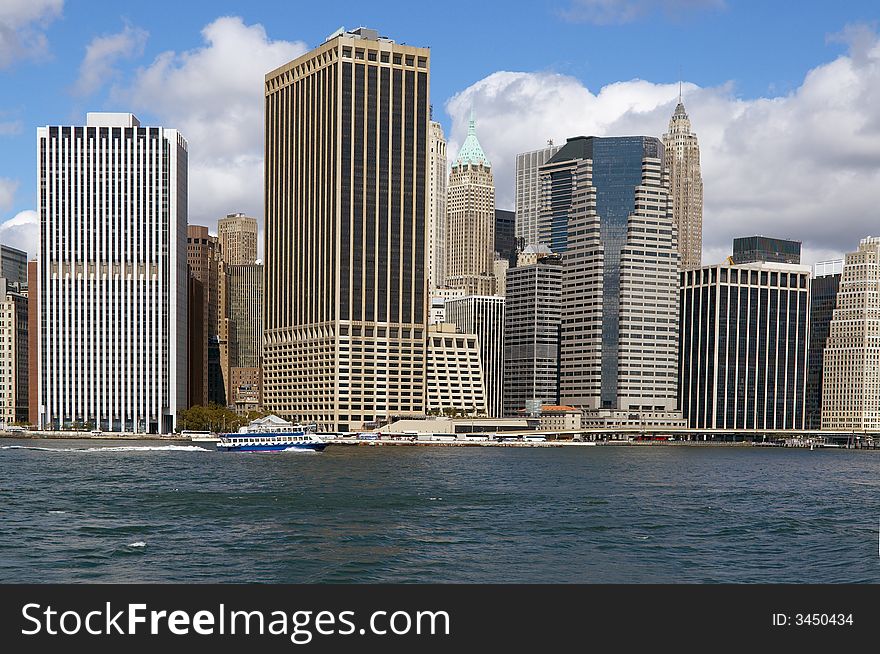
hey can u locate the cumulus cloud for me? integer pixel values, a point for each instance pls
(214, 96)
(7, 192)
(804, 165)
(22, 28)
(609, 12)
(22, 231)
(98, 65)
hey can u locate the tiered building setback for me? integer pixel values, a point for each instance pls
(686, 186)
(851, 363)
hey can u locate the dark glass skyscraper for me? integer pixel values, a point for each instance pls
(822, 304)
(505, 239)
(751, 249)
(346, 173)
(744, 346)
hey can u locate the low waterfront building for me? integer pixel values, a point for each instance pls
(454, 382)
(456, 426)
(744, 338)
(560, 418)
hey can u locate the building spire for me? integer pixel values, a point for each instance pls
(471, 152)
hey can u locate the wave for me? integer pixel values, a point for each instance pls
(119, 448)
(139, 543)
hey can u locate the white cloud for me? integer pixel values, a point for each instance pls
(805, 165)
(22, 231)
(609, 12)
(97, 67)
(22, 25)
(214, 96)
(7, 192)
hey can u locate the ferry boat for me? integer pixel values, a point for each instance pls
(272, 434)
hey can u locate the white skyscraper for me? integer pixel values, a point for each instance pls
(528, 192)
(112, 275)
(436, 222)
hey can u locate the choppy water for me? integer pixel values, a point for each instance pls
(77, 511)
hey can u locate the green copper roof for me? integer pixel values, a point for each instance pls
(471, 152)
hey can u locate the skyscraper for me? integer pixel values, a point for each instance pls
(113, 279)
(14, 351)
(750, 249)
(470, 220)
(606, 208)
(823, 300)
(484, 316)
(346, 201)
(237, 237)
(203, 259)
(532, 323)
(851, 364)
(686, 186)
(505, 236)
(528, 193)
(13, 265)
(243, 303)
(744, 345)
(436, 227)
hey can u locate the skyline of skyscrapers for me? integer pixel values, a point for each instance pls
(364, 229)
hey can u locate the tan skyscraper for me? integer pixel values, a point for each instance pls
(686, 187)
(346, 201)
(470, 220)
(436, 207)
(851, 363)
(237, 235)
(203, 258)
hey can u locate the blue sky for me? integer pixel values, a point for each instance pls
(747, 67)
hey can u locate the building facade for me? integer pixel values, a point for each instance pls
(436, 223)
(203, 261)
(237, 238)
(607, 209)
(484, 316)
(528, 193)
(851, 361)
(823, 300)
(685, 186)
(243, 304)
(533, 320)
(750, 249)
(14, 366)
(346, 203)
(113, 277)
(505, 236)
(455, 375)
(13, 265)
(470, 220)
(744, 342)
